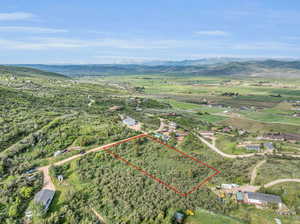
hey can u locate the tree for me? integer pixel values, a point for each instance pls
(13, 210)
(26, 192)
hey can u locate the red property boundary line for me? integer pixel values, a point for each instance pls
(115, 155)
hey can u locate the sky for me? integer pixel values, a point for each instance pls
(135, 31)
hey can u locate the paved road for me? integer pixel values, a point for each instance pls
(254, 171)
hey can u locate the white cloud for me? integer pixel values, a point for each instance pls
(16, 16)
(50, 43)
(212, 33)
(31, 29)
(144, 45)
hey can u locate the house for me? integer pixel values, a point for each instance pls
(227, 129)
(44, 198)
(161, 136)
(229, 186)
(207, 134)
(129, 121)
(262, 199)
(252, 147)
(242, 132)
(269, 146)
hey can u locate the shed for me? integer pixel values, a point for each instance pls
(44, 197)
(239, 196)
(179, 217)
(60, 178)
(57, 153)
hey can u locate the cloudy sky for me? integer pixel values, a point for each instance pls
(119, 31)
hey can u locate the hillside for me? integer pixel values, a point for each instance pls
(28, 72)
(269, 68)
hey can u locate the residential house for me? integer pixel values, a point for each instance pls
(261, 199)
(129, 121)
(253, 147)
(282, 137)
(162, 136)
(229, 186)
(44, 198)
(269, 146)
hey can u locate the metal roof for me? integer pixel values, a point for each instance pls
(268, 198)
(43, 196)
(269, 145)
(253, 147)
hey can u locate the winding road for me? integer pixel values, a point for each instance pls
(231, 156)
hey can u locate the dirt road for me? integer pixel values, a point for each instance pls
(48, 184)
(161, 126)
(254, 171)
(279, 181)
(101, 219)
(214, 148)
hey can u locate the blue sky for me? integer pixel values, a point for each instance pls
(95, 31)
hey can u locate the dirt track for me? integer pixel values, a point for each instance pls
(254, 171)
(48, 184)
(279, 181)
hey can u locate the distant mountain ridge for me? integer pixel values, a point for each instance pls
(232, 68)
(28, 72)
